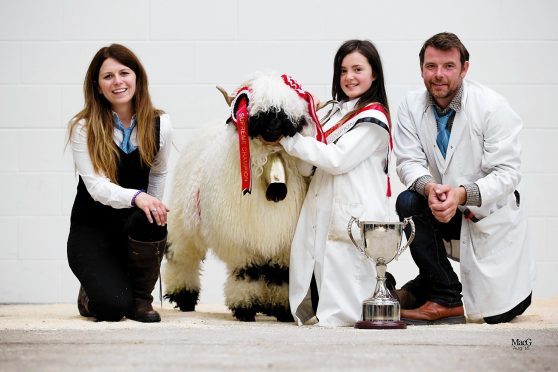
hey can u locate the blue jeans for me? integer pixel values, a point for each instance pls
(436, 281)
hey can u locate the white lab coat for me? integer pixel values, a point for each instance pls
(497, 268)
(349, 181)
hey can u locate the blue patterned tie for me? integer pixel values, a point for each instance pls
(443, 131)
(126, 144)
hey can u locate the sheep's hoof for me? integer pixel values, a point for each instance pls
(244, 314)
(185, 300)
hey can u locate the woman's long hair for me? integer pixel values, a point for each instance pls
(377, 91)
(98, 118)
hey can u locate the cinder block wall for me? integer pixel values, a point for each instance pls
(189, 47)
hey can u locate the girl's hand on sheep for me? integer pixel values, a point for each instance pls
(153, 208)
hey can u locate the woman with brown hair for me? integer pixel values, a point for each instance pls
(121, 145)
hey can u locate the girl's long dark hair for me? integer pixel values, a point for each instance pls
(377, 91)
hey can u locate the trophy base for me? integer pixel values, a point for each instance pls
(380, 324)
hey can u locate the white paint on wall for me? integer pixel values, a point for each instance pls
(188, 48)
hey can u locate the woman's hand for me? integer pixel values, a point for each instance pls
(153, 208)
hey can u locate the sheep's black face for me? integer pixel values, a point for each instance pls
(272, 125)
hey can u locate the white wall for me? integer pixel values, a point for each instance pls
(189, 47)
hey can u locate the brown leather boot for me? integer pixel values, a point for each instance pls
(144, 261)
(432, 313)
(83, 303)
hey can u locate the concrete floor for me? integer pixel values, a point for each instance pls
(55, 338)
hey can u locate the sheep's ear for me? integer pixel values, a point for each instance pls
(227, 96)
(299, 126)
(291, 129)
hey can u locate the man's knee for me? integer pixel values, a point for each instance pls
(410, 203)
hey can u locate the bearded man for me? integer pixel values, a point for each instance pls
(458, 152)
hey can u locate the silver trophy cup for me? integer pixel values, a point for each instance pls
(381, 242)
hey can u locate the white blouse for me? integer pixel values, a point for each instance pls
(100, 187)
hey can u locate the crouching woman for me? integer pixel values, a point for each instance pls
(120, 145)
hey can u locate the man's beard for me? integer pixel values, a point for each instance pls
(444, 93)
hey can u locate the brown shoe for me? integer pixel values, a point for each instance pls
(432, 313)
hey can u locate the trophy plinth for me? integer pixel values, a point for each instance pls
(381, 313)
(381, 243)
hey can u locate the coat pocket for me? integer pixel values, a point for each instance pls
(340, 217)
(494, 232)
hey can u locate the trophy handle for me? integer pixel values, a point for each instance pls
(350, 231)
(407, 221)
(334, 108)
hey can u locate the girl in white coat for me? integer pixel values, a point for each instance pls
(329, 278)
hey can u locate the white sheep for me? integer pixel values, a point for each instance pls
(251, 233)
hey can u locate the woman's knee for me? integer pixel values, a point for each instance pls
(139, 228)
(110, 310)
(410, 203)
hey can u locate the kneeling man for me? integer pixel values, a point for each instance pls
(458, 152)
